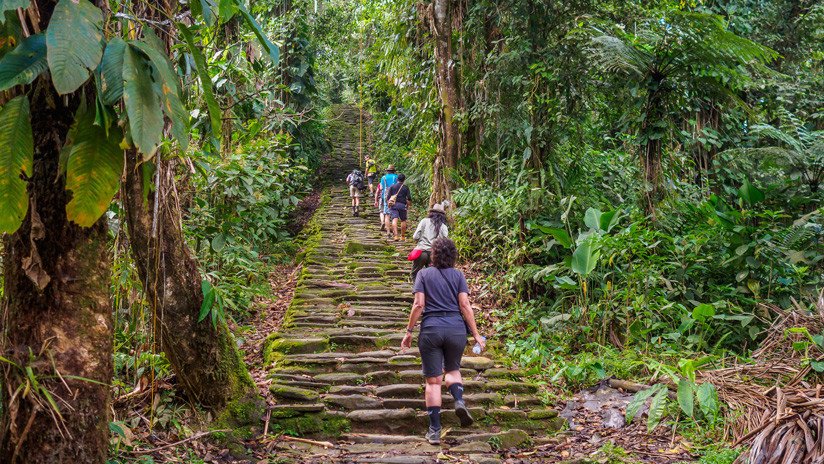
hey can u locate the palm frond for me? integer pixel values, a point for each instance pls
(613, 54)
(772, 132)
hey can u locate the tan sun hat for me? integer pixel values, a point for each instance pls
(438, 207)
(390, 168)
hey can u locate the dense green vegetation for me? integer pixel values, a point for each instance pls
(636, 184)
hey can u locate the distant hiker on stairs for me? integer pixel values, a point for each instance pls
(399, 200)
(442, 298)
(371, 173)
(430, 228)
(389, 179)
(355, 181)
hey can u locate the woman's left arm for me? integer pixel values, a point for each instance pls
(469, 317)
(417, 309)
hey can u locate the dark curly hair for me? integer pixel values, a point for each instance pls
(444, 253)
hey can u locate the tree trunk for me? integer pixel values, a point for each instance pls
(57, 318)
(652, 149)
(204, 358)
(707, 117)
(447, 82)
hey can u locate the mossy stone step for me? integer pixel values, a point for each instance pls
(289, 392)
(353, 402)
(340, 378)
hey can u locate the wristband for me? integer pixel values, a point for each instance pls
(408, 330)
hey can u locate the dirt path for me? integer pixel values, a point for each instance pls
(335, 369)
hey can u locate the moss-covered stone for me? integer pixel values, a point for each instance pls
(293, 393)
(321, 424)
(293, 346)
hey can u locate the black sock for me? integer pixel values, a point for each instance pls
(434, 417)
(456, 389)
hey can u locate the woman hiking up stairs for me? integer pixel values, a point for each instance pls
(339, 376)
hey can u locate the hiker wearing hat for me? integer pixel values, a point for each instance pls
(431, 227)
(371, 173)
(389, 179)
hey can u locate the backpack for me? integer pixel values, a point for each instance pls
(394, 198)
(357, 179)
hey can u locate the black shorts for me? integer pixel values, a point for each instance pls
(397, 213)
(441, 351)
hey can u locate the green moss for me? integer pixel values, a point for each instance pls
(275, 344)
(320, 424)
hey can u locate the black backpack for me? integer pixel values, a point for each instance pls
(357, 179)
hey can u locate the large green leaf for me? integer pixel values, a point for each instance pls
(142, 103)
(657, 407)
(638, 400)
(708, 399)
(585, 257)
(93, 169)
(202, 69)
(16, 157)
(686, 394)
(22, 65)
(169, 93)
(204, 8)
(111, 71)
(271, 49)
(75, 43)
(750, 193)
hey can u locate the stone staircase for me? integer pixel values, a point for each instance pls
(336, 367)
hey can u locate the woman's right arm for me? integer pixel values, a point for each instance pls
(417, 309)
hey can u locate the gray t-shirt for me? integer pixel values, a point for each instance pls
(441, 309)
(425, 234)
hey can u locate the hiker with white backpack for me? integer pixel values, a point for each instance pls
(355, 182)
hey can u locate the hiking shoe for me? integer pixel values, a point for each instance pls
(463, 414)
(433, 436)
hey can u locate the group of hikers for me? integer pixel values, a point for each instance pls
(441, 294)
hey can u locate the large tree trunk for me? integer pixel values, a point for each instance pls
(203, 357)
(57, 316)
(447, 83)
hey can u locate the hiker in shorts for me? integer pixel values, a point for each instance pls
(379, 206)
(442, 301)
(371, 172)
(431, 227)
(399, 199)
(389, 179)
(355, 182)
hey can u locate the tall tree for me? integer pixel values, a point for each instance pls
(57, 326)
(442, 20)
(660, 59)
(203, 355)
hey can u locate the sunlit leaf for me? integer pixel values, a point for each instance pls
(16, 159)
(93, 169)
(686, 394)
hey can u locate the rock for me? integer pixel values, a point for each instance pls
(353, 401)
(374, 415)
(382, 439)
(513, 438)
(351, 390)
(511, 387)
(481, 459)
(293, 393)
(400, 391)
(339, 378)
(478, 362)
(472, 447)
(497, 372)
(539, 414)
(404, 360)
